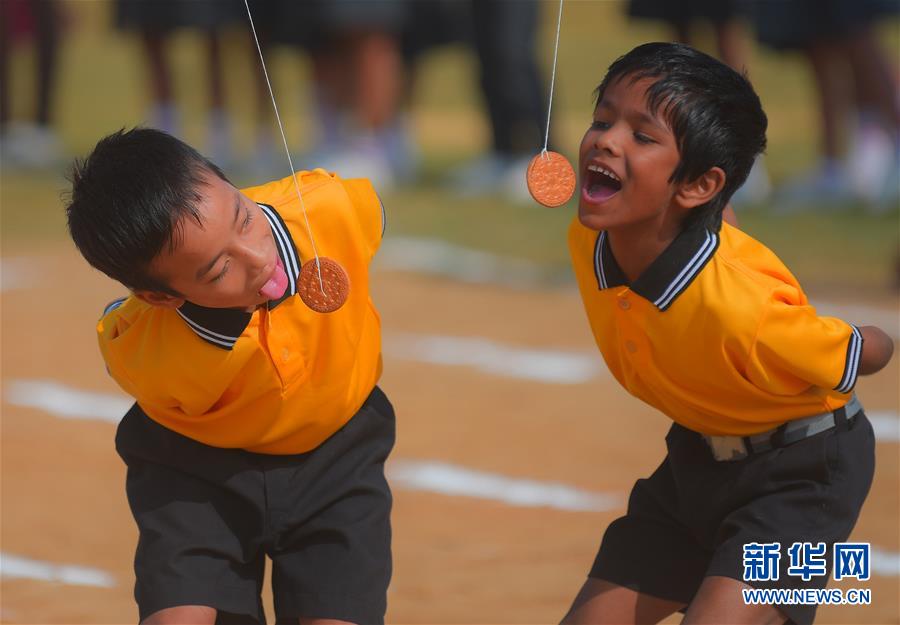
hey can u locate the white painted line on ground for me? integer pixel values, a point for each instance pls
(18, 567)
(66, 402)
(885, 563)
(449, 479)
(436, 257)
(540, 365)
(886, 425)
(443, 478)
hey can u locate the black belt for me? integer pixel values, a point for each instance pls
(726, 448)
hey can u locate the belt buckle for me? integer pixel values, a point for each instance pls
(727, 448)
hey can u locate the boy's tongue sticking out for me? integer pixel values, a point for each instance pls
(276, 285)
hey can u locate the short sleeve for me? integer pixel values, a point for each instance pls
(795, 348)
(113, 305)
(369, 211)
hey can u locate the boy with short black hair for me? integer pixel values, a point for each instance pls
(704, 323)
(258, 429)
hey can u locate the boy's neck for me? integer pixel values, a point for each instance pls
(636, 247)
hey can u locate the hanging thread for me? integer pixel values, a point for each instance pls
(552, 79)
(287, 151)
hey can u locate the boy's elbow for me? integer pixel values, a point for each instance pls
(877, 350)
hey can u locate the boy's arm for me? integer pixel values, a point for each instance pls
(877, 349)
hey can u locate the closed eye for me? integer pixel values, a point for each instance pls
(599, 125)
(642, 138)
(222, 273)
(247, 219)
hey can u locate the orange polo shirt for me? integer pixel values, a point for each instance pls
(716, 333)
(279, 380)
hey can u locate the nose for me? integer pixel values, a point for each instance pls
(254, 255)
(609, 141)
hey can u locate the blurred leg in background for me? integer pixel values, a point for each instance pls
(856, 93)
(874, 159)
(156, 22)
(505, 38)
(731, 38)
(358, 83)
(31, 142)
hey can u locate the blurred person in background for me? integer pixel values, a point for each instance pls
(358, 85)
(857, 93)
(30, 142)
(504, 36)
(731, 43)
(156, 21)
(364, 62)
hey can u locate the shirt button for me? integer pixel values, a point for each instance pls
(630, 346)
(624, 304)
(285, 354)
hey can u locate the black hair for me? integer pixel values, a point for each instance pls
(129, 200)
(713, 111)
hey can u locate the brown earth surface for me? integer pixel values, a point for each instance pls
(457, 559)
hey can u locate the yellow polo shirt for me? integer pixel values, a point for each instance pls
(279, 380)
(716, 333)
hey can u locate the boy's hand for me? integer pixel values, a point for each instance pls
(877, 349)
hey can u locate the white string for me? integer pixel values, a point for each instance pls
(552, 79)
(287, 151)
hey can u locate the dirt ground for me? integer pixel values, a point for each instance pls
(457, 559)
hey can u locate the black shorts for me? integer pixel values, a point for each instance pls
(208, 517)
(693, 516)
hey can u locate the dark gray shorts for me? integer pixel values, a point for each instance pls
(693, 516)
(208, 517)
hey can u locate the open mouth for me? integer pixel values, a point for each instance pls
(600, 183)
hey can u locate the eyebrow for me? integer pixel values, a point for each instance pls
(205, 269)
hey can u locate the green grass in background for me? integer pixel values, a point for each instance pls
(102, 87)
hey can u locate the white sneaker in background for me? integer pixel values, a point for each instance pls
(872, 161)
(889, 198)
(164, 117)
(757, 188)
(515, 186)
(363, 157)
(492, 174)
(826, 187)
(31, 146)
(483, 175)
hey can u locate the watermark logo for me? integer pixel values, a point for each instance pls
(761, 561)
(851, 560)
(807, 560)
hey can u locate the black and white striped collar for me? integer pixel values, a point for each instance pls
(667, 276)
(223, 326)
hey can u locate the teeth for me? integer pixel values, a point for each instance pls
(601, 170)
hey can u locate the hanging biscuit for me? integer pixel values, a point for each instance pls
(551, 179)
(329, 294)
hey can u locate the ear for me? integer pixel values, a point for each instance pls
(158, 298)
(702, 189)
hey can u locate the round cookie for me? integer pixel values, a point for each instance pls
(335, 281)
(551, 179)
